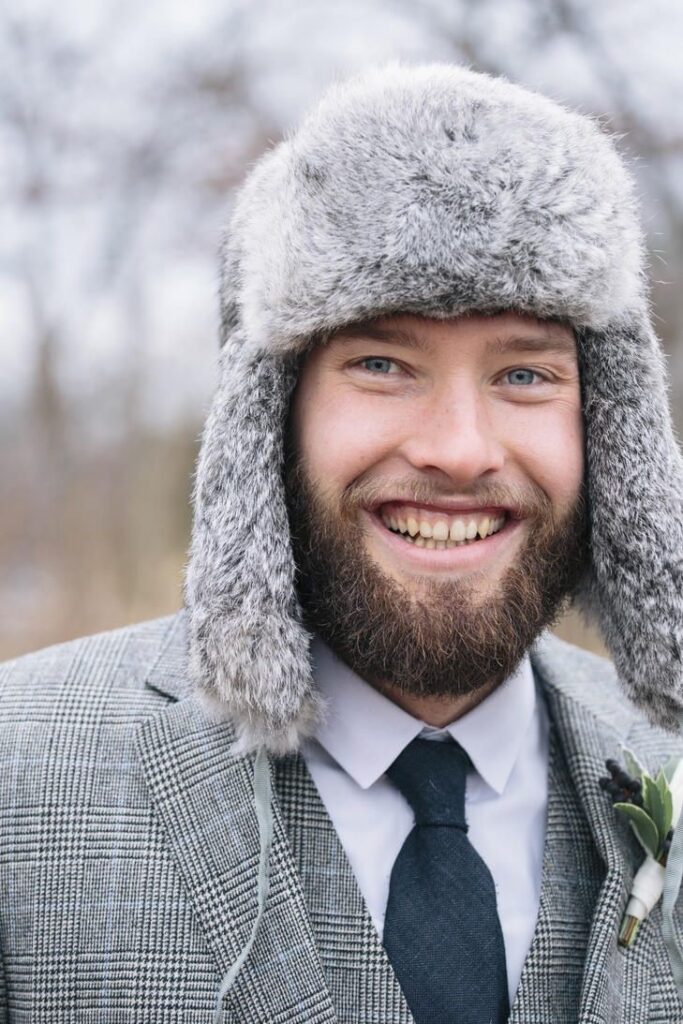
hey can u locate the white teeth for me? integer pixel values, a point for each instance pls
(458, 530)
(440, 530)
(430, 542)
(471, 532)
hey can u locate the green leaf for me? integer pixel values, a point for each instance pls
(650, 795)
(643, 826)
(633, 765)
(670, 767)
(667, 805)
(655, 803)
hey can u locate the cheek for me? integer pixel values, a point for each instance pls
(338, 433)
(549, 448)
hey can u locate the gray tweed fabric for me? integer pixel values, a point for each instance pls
(129, 848)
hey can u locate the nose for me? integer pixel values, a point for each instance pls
(456, 435)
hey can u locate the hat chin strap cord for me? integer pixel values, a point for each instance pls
(264, 816)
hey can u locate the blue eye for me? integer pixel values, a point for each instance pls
(377, 364)
(521, 376)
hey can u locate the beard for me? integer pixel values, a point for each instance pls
(438, 637)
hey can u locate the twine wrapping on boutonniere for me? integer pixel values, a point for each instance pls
(652, 806)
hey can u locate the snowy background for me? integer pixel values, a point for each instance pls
(124, 128)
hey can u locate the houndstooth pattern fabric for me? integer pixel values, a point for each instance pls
(129, 847)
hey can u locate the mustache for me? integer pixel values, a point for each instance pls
(523, 502)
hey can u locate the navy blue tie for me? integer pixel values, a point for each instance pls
(442, 931)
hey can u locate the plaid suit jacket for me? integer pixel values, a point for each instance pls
(129, 851)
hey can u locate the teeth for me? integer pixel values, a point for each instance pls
(440, 530)
(458, 530)
(440, 533)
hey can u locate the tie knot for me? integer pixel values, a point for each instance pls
(431, 775)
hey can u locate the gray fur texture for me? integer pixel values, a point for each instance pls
(432, 190)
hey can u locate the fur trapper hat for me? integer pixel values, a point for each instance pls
(438, 191)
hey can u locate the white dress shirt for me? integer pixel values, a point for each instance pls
(506, 737)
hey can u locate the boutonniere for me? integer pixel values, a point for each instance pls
(652, 807)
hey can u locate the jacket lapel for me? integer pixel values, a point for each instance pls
(586, 739)
(550, 984)
(203, 796)
(362, 981)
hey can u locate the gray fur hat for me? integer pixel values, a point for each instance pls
(432, 190)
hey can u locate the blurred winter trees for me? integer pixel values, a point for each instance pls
(123, 131)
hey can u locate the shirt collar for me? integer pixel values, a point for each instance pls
(365, 732)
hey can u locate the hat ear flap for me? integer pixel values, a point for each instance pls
(249, 653)
(634, 477)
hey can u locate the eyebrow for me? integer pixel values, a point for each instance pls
(534, 343)
(391, 335)
(496, 346)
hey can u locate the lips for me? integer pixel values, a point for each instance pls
(418, 554)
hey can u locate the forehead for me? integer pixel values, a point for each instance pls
(504, 332)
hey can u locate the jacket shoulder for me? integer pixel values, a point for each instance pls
(581, 674)
(106, 671)
(591, 683)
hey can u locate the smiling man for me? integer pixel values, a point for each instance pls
(355, 779)
(417, 553)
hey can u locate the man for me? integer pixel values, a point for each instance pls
(354, 779)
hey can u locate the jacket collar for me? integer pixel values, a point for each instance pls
(167, 671)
